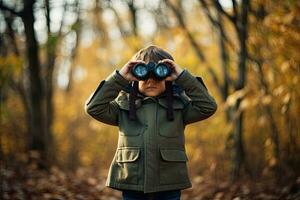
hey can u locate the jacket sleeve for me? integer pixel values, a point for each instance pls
(101, 105)
(201, 105)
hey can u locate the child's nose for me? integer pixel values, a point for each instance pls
(150, 80)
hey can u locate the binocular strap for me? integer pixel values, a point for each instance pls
(169, 90)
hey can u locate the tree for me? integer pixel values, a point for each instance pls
(239, 20)
(39, 101)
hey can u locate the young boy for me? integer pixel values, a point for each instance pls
(150, 160)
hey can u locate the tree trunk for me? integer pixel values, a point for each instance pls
(38, 132)
(241, 28)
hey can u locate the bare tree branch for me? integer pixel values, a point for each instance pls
(99, 23)
(235, 9)
(119, 22)
(160, 16)
(11, 10)
(47, 13)
(193, 42)
(274, 133)
(75, 48)
(221, 9)
(8, 18)
(133, 10)
(216, 23)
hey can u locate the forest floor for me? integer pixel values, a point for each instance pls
(28, 182)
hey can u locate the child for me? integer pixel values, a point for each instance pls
(150, 160)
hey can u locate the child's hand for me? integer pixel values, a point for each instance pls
(176, 69)
(126, 70)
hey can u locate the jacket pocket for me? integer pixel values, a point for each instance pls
(126, 165)
(173, 168)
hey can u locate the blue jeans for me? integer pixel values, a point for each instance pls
(164, 195)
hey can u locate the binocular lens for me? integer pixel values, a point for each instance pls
(140, 71)
(162, 71)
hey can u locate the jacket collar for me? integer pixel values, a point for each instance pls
(179, 99)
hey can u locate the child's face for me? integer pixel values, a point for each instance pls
(152, 87)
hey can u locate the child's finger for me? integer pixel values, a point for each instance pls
(168, 61)
(133, 63)
(137, 61)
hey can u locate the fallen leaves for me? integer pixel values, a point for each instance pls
(86, 183)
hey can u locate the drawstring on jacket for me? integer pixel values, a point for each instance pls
(132, 98)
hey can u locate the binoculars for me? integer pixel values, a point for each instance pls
(158, 71)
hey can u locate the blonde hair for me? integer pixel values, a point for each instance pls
(151, 53)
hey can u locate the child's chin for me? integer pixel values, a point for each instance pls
(151, 93)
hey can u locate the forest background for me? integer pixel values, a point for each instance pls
(54, 53)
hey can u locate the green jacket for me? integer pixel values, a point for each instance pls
(150, 156)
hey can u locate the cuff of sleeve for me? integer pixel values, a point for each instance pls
(118, 73)
(118, 79)
(179, 75)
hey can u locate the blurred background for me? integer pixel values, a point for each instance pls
(54, 53)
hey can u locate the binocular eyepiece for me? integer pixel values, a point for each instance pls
(158, 71)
